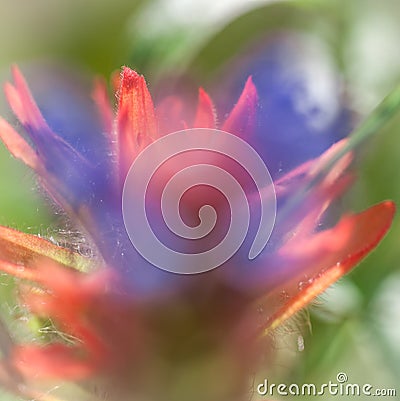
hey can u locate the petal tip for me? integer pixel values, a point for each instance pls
(241, 120)
(130, 78)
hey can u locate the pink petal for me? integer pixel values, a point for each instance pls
(100, 96)
(170, 115)
(241, 120)
(205, 114)
(21, 101)
(18, 147)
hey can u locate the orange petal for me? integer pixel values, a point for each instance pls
(333, 253)
(241, 120)
(18, 248)
(205, 114)
(136, 121)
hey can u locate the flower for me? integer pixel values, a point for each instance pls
(123, 324)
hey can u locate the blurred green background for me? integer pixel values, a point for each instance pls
(355, 327)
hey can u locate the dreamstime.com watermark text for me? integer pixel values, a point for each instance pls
(339, 387)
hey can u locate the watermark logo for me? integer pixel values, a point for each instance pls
(339, 387)
(166, 172)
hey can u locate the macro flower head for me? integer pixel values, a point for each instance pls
(121, 323)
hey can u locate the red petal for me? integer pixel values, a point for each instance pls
(136, 121)
(52, 361)
(241, 120)
(205, 115)
(329, 255)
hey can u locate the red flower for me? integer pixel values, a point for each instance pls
(118, 335)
